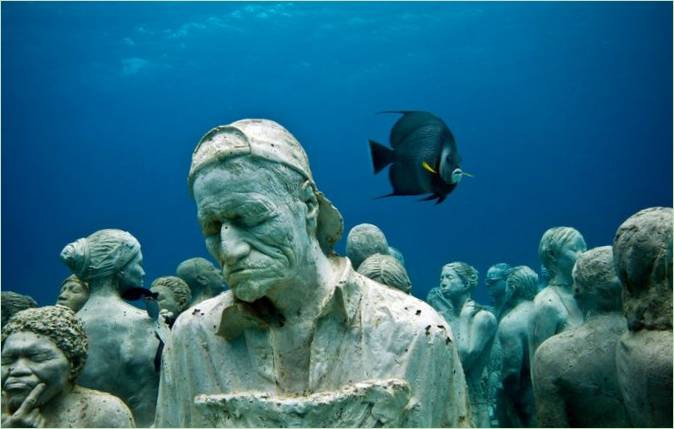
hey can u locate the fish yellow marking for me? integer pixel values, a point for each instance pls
(428, 167)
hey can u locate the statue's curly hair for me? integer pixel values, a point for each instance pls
(178, 287)
(60, 325)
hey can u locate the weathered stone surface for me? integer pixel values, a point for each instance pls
(387, 270)
(298, 319)
(642, 250)
(380, 403)
(43, 352)
(203, 278)
(474, 329)
(555, 308)
(363, 241)
(122, 341)
(575, 376)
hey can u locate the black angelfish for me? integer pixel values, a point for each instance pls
(424, 157)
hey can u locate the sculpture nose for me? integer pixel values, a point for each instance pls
(233, 246)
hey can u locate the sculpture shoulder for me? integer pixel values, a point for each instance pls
(105, 410)
(548, 300)
(205, 313)
(400, 311)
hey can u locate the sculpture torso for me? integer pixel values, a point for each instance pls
(82, 407)
(122, 348)
(575, 376)
(555, 311)
(366, 332)
(513, 332)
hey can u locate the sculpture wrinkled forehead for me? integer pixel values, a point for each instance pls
(268, 140)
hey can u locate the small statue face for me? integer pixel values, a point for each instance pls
(496, 284)
(133, 274)
(252, 226)
(450, 282)
(29, 359)
(568, 255)
(73, 295)
(166, 300)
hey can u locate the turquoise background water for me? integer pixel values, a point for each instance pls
(562, 111)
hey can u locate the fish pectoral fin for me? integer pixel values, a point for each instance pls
(428, 168)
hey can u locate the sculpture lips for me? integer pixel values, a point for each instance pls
(422, 158)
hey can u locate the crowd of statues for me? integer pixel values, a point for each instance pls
(305, 337)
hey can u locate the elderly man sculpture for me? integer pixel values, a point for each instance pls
(43, 351)
(301, 339)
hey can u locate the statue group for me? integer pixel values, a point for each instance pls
(307, 338)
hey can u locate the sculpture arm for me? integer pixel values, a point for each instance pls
(544, 325)
(481, 333)
(550, 403)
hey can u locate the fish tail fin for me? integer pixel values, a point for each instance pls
(381, 156)
(441, 198)
(392, 194)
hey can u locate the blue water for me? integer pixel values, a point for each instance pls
(563, 112)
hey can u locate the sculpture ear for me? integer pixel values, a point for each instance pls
(308, 196)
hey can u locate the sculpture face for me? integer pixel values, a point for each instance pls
(451, 283)
(496, 284)
(252, 226)
(568, 255)
(29, 359)
(132, 274)
(166, 300)
(73, 295)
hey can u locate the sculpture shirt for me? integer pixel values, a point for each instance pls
(366, 331)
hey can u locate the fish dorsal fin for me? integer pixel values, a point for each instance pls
(408, 123)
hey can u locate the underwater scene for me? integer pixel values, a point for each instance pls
(336, 214)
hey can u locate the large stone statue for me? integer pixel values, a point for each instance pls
(73, 294)
(575, 382)
(387, 270)
(365, 240)
(122, 343)
(43, 352)
(205, 281)
(513, 334)
(496, 286)
(173, 297)
(642, 251)
(555, 308)
(474, 329)
(12, 303)
(301, 337)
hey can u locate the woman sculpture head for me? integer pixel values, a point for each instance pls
(558, 250)
(74, 293)
(105, 254)
(45, 345)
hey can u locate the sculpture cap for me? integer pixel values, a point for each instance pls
(266, 139)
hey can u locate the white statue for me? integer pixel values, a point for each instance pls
(387, 270)
(555, 308)
(73, 294)
(575, 380)
(642, 252)
(122, 342)
(204, 279)
(513, 333)
(474, 329)
(365, 240)
(43, 352)
(298, 320)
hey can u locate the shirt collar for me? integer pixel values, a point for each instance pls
(238, 316)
